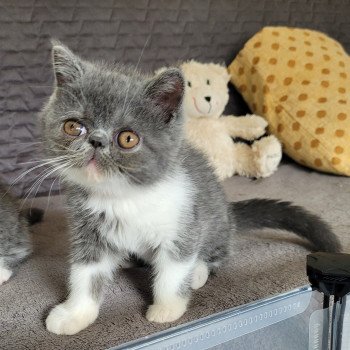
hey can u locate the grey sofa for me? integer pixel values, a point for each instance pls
(265, 264)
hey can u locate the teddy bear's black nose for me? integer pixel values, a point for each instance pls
(207, 98)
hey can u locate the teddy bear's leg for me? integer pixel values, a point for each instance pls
(259, 160)
(244, 158)
(222, 163)
(267, 154)
(249, 127)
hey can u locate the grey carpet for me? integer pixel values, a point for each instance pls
(264, 264)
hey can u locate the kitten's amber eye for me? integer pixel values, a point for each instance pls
(128, 139)
(73, 128)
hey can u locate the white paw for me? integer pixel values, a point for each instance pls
(257, 120)
(200, 275)
(5, 274)
(65, 320)
(256, 126)
(268, 152)
(162, 313)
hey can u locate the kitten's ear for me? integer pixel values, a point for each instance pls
(67, 66)
(166, 91)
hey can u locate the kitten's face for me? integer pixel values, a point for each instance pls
(104, 123)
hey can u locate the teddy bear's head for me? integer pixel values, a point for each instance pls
(206, 91)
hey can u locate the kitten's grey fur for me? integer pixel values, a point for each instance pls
(159, 201)
(15, 242)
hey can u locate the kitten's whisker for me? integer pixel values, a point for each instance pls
(22, 175)
(41, 175)
(41, 179)
(27, 143)
(59, 184)
(43, 160)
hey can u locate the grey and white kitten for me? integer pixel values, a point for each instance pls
(15, 242)
(134, 186)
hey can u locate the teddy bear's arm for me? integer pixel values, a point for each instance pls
(248, 127)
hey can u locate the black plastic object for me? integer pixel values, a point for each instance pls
(329, 273)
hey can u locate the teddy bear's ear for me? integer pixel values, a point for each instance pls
(221, 70)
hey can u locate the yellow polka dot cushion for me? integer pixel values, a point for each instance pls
(299, 80)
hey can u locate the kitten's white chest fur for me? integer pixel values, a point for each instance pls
(139, 219)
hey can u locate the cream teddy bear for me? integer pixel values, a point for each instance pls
(206, 95)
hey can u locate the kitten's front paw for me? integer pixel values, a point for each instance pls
(200, 275)
(5, 274)
(163, 313)
(65, 320)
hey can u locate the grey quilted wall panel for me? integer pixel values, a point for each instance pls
(117, 30)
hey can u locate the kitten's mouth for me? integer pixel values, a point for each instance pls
(92, 167)
(92, 162)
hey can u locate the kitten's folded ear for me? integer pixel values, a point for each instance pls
(67, 66)
(166, 91)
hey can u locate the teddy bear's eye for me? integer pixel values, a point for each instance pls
(189, 84)
(208, 82)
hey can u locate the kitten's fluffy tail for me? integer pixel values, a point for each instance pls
(274, 214)
(32, 215)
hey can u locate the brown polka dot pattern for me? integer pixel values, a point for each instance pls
(321, 114)
(284, 98)
(296, 126)
(339, 150)
(314, 143)
(278, 109)
(318, 162)
(336, 161)
(342, 116)
(309, 66)
(256, 60)
(299, 80)
(287, 81)
(302, 97)
(270, 78)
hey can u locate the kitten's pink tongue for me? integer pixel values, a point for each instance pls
(92, 163)
(92, 170)
(92, 166)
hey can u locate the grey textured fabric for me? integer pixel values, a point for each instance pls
(117, 30)
(263, 264)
